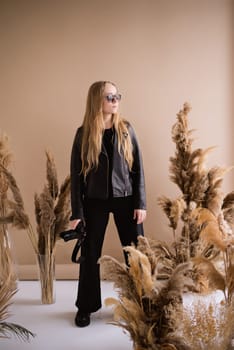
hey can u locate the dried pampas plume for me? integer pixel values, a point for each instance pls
(6, 260)
(52, 209)
(228, 208)
(207, 278)
(147, 308)
(52, 212)
(7, 274)
(152, 285)
(173, 209)
(201, 193)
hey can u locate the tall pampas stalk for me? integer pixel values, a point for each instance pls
(7, 274)
(152, 287)
(52, 212)
(6, 260)
(202, 213)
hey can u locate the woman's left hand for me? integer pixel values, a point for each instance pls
(139, 215)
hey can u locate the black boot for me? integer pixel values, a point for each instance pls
(82, 319)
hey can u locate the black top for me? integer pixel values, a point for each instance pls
(108, 140)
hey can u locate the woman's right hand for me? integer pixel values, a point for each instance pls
(74, 223)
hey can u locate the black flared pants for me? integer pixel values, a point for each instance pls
(96, 217)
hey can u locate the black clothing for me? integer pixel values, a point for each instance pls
(97, 216)
(108, 141)
(111, 188)
(124, 182)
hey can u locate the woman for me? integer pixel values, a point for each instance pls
(106, 177)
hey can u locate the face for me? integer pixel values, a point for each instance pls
(111, 99)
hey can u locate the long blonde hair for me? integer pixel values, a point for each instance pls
(93, 129)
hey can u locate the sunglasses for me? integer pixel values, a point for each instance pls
(112, 98)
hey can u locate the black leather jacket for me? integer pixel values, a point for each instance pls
(124, 182)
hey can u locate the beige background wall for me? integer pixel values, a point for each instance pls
(160, 53)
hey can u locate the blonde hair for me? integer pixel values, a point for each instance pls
(93, 129)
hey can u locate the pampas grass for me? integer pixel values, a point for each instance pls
(7, 274)
(52, 209)
(52, 212)
(150, 305)
(6, 293)
(202, 211)
(152, 312)
(208, 326)
(228, 209)
(6, 260)
(148, 308)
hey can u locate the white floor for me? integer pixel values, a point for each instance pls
(54, 324)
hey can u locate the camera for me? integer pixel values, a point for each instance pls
(79, 233)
